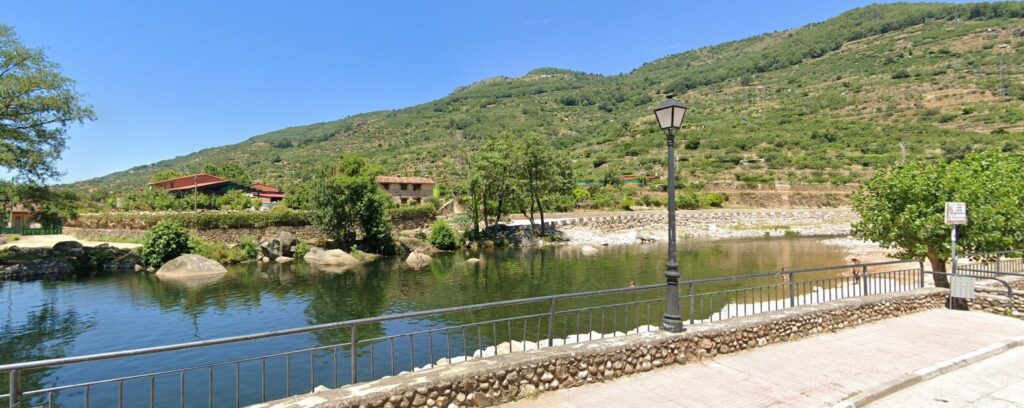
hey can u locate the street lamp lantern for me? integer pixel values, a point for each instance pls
(670, 116)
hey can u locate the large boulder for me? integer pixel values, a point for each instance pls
(287, 241)
(271, 248)
(588, 250)
(418, 260)
(190, 266)
(333, 257)
(69, 248)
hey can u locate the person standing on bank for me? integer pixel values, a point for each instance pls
(856, 271)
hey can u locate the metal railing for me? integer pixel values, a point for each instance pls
(22, 230)
(363, 349)
(989, 264)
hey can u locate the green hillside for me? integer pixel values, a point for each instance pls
(821, 104)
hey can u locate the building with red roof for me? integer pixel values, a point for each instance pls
(212, 185)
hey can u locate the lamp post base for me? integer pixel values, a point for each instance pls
(672, 324)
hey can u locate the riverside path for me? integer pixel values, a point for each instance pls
(823, 370)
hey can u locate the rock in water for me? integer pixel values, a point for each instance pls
(190, 265)
(473, 260)
(283, 259)
(69, 248)
(55, 267)
(287, 241)
(334, 260)
(588, 250)
(418, 260)
(271, 249)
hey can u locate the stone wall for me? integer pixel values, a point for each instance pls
(495, 380)
(230, 236)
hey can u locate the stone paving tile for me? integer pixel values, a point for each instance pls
(993, 382)
(813, 372)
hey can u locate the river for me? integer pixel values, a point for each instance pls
(47, 319)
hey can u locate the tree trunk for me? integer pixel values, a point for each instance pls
(938, 265)
(540, 208)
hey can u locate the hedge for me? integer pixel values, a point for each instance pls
(200, 221)
(210, 220)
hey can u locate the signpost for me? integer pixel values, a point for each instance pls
(956, 214)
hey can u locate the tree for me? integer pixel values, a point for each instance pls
(164, 175)
(541, 173)
(37, 104)
(230, 171)
(347, 201)
(902, 207)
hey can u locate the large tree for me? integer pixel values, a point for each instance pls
(347, 202)
(37, 104)
(902, 207)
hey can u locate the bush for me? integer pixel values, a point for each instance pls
(688, 200)
(250, 249)
(425, 211)
(219, 252)
(300, 250)
(713, 200)
(442, 236)
(166, 241)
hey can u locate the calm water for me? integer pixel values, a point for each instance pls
(114, 312)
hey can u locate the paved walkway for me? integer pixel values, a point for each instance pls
(994, 382)
(47, 241)
(817, 371)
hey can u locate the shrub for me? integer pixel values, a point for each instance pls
(714, 200)
(250, 249)
(688, 200)
(901, 74)
(300, 250)
(423, 211)
(442, 236)
(166, 241)
(219, 252)
(201, 221)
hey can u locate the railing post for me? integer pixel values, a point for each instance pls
(15, 395)
(792, 296)
(920, 269)
(864, 277)
(354, 343)
(691, 304)
(551, 323)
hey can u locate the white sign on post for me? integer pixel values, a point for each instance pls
(962, 287)
(956, 213)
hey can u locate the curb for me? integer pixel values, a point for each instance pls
(885, 389)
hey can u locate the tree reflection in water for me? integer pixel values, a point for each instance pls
(46, 332)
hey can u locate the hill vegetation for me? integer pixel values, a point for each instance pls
(828, 103)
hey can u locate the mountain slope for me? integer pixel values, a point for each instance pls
(824, 103)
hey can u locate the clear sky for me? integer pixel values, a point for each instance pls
(169, 78)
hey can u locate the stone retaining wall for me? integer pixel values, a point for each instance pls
(495, 380)
(229, 236)
(756, 219)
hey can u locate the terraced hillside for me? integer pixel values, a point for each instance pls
(821, 104)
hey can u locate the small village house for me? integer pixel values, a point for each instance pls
(407, 190)
(20, 216)
(212, 185)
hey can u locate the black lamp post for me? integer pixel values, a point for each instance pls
(670, 116)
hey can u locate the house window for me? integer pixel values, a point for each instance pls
(416, 188)
(386, 186)
(405, 187)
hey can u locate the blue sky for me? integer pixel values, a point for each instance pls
(170, 78)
